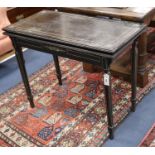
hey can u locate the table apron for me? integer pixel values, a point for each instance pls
(74, 53)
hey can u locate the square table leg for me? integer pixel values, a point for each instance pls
(57, 67)
(108, 97)
(21, 64)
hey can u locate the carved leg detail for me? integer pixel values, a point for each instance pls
(142, 60)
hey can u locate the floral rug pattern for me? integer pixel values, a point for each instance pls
(73, 114)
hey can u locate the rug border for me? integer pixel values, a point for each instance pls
(146, 135)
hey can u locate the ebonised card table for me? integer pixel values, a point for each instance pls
(78, 37)
(135, 14)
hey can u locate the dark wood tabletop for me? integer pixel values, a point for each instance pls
(82, 31)
(126, 13)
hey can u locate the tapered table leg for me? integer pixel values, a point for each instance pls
(58, 71)
(134, 59)
(21, 64)
(108, 99)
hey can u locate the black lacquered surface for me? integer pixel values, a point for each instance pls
(104, 35)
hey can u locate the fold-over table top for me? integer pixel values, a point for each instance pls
(103, 35)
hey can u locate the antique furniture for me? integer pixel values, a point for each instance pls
(5, 42)
(17, 13)
(142, 15)
(77, 37)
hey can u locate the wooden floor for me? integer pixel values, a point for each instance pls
(7, 55)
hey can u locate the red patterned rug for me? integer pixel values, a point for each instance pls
(149, 139)
(73, 114)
